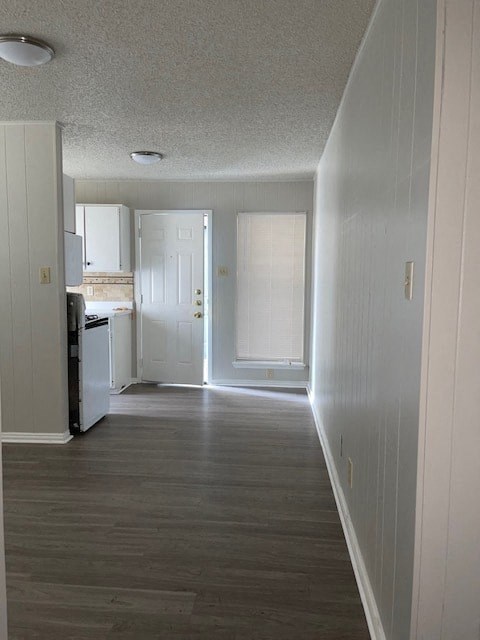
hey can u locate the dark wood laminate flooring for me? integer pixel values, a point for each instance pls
(190, 513)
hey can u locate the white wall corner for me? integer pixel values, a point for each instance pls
(367, 596)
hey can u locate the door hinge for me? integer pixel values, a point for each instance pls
(141, 298)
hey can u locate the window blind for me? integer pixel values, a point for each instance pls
(270, 286)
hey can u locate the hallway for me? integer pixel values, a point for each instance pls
(187, 513)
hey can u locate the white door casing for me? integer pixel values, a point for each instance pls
(170, 273)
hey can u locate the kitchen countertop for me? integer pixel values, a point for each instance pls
(108, 314)
(109, 309)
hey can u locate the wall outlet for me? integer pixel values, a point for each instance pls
(44, 275)
(222, 271)
(350, 472)
(269, 374)
(90, 291)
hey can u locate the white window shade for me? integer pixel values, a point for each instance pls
(270, 287)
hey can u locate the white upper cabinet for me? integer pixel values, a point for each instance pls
(106, 233)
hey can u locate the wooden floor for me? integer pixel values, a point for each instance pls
(187, 513)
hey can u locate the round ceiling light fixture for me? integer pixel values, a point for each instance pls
(25, 51)
(146, 157)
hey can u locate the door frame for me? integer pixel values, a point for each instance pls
(207, 283)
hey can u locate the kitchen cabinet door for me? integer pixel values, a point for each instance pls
(102, 239)
(73, 245)
(105, 230)
(120, 352)
(80, 227)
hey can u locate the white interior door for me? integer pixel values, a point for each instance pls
(171, 257)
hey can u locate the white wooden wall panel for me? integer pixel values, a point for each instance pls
(33, 358)
(447, 587)
(3, 589)
(225, 199)
(370, 218)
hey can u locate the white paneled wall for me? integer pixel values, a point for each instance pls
(371, 217)
(33, 351)
(3, 589)
(447, 586)
(225, 199)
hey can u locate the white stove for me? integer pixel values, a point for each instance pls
(88, 365)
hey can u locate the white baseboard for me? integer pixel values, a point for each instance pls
(35, 438)
(117, 392)
(374, 622)
(282, 384)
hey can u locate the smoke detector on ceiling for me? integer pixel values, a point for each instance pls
(25, 51)
(146, 157)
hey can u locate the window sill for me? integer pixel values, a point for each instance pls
(268, 364)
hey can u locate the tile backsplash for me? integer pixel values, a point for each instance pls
(105, 286)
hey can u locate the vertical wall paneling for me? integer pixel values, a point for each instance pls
(3, 590)
(225, 199)
(33, 356)
(371, 213)
(447, 577)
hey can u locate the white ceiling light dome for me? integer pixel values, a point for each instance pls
(25, 51)
(146, 157)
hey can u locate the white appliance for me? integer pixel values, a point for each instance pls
(88, 366)
(73, 259)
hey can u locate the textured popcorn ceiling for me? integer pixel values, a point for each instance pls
(224, 88)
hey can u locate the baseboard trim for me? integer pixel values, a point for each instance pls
(372, 615)
(35, 438)
(117, 392)
(281, 384)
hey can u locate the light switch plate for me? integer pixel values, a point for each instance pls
(409, 280)
(45, 275)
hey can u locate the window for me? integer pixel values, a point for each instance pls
(270, 287)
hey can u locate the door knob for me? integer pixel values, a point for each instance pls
(198, 292)
(197, 314)
(198, 303)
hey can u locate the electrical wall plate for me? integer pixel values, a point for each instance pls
(44, 275)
